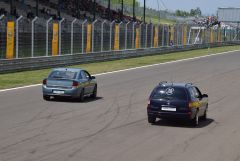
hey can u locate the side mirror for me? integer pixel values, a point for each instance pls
(204, 95)
(93, 77)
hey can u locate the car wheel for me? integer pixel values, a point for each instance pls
(94, 95)
(195, 121)
(47, 98)
(151, 119)
(81, 97)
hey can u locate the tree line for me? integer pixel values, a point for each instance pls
(192, 13)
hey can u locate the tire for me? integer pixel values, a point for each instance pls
(151, 120)
(94, 95)
(81, 97)
(195, 121)
(47, 98)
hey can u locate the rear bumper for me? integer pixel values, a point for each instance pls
(74, 92)
(170, 115)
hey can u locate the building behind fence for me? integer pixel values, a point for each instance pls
(23, 38)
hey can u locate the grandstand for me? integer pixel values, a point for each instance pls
(69, 9)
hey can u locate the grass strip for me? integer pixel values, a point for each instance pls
(19, 79)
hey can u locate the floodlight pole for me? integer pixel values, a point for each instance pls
(11, 7)
(94, 10)
(37, 6)
(122, 11)
(59, 8)
(109, 10)
(134, 9)
(144, 11)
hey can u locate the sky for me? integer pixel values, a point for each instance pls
(208, 7)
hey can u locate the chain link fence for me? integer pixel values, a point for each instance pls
(24, 38)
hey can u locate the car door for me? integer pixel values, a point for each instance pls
(204, 101)
(85, 82)
(91, 82)
(198, 95)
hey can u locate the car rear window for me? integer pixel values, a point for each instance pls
(169, 93)
(63, 75)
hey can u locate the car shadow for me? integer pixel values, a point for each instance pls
(183, 123)
(71, 100)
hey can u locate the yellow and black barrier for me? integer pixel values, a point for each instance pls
(89, 38)
(10, 40)
(116, 38)
(137, 39)
(155, 40)
(55, 39)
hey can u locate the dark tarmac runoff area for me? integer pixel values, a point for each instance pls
(114, 126)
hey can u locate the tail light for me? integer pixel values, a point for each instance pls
(148, 105)
(75, 84)
(194, 104)
(44, 82)
(149, 101)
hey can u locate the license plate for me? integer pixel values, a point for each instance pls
(168, 109)
(58, 92)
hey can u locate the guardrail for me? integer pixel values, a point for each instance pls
(26, 64)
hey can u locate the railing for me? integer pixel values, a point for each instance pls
(24, 38)
(26, 64)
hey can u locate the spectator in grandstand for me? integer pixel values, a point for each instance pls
(3, 11)
(14, 13)
(30, 15)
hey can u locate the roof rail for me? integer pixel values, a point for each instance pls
(162, 82)
(188, 84)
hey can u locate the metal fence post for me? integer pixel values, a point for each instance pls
(133, 35)
(189, 36)
(47, 23)
(17, 21)
(141, 34)
(1, 17)
(110, 48)
(32, 51)
(126, 34)
(102, 35)
(163, 35)
(93, 28)
(84, 22)
(72, 34)
(152, 36)
(60, 36)
(158, 26)
(146, 36)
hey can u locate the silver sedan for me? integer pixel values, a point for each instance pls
(69, 82)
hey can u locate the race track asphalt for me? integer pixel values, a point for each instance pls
(114, 127)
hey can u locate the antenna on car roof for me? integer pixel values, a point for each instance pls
(162, 82)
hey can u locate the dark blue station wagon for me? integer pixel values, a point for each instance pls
(177, 101)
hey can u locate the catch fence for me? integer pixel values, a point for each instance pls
(24, 38)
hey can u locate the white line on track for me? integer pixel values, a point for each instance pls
(146, 66)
